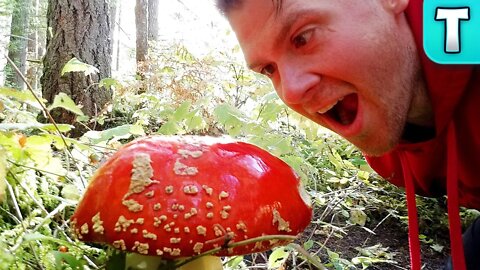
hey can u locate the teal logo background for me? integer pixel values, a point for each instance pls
(435, 31)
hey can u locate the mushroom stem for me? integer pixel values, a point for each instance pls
(207, 262)
(135, 261)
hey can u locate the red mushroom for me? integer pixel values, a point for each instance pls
(178, 197)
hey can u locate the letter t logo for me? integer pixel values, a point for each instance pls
(452, 17)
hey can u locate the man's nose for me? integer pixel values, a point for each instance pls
(295, 83)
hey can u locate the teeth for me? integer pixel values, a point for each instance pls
(326, 109)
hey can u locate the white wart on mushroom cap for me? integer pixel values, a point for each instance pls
(181, 196)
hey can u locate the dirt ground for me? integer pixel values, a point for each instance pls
(389, 234)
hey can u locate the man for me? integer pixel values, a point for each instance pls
(359, 69)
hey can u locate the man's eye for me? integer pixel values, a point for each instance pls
(302, 39)
(268, 70)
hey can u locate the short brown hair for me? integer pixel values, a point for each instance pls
(225, 6)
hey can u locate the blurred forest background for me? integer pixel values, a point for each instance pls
(78, 79)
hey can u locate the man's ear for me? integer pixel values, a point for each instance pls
(396, 6)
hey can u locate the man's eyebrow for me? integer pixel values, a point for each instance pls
(288, 20)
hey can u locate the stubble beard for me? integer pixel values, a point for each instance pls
(407, 85)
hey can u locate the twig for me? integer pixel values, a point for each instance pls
(15, 203)
(308, 256)
(29, 193)
(44, 108)
(36, 169)
(20, 217)
(12, 216)
(50, 215)
(89, 261)
(47, 112)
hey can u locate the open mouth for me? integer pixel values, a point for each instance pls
(345, 110)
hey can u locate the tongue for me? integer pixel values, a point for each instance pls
(346, 110)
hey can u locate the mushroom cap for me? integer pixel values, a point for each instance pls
(178, 196)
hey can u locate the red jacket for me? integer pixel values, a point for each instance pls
(455, 95)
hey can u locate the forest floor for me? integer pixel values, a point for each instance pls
(390, 240)
(385, 240)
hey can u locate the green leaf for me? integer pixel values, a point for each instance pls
(368, 261)
(116, 133)
(364, 261)
(228, 115)
(29, 126)
(308, 245)
(234, 262)
(169, 128)
(335, 159)
(10, 143)
(61, 127)
(16, 126)
(167, 70)
(357, 216)
(274, 143)
(62, 258)
(38, 149)
(137, 130)
(22, 96)
(182, 111)
(108, 83)
(438, 248)
(270, 112)
(70, 192)
(196, 122)
(277, 257)
(59, 142)
(40, 237)
(363, 175)
(75, 65)
(270, 96)
(62, 100)
(3, 173)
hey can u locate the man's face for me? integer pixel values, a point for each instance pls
(348, 65)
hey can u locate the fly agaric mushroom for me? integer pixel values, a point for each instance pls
(176, 197)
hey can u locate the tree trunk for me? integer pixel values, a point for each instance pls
(34, 44)
(17, 49)
(81, 29)
(141, 17)
(5, 26)
(117, 27)
(152, 21)
(141, 23)
(113, 17)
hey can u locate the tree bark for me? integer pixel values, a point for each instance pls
(17, 49)
(152, 21)
(117, 27)
(141, 23)
(81, 29)
(34, 46)
(113, 4)
(5, 26)
(141, 17)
